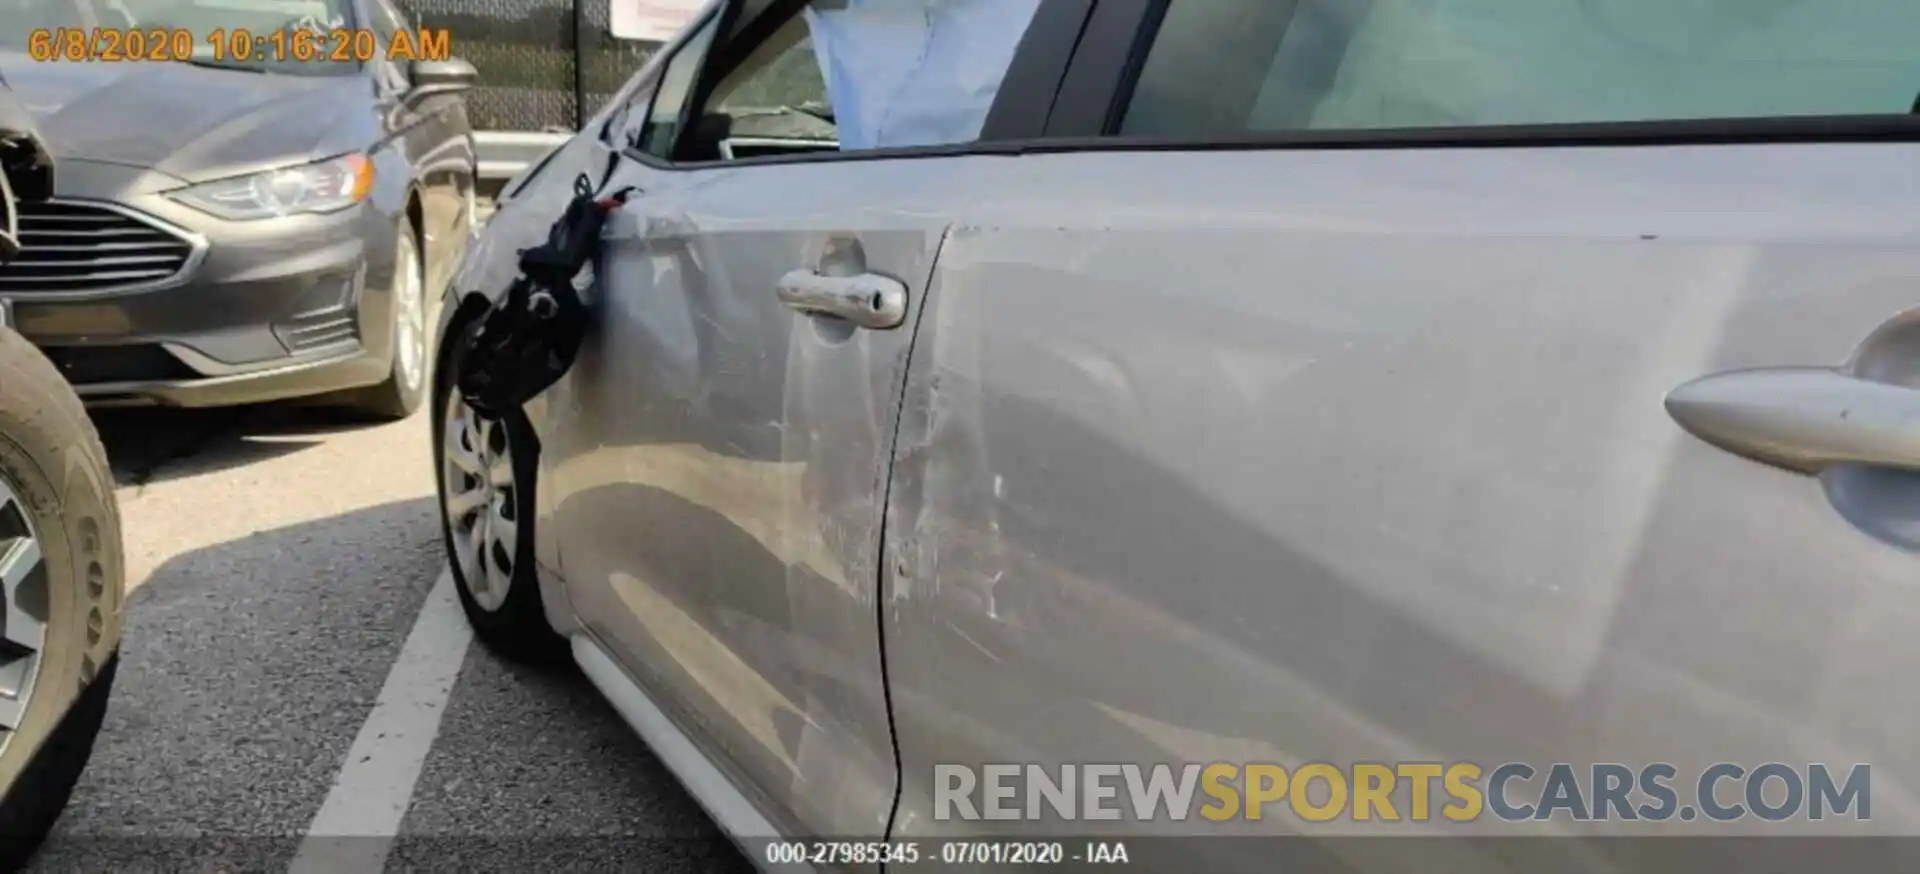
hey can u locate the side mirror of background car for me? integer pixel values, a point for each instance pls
(452, 74)
(26, 172)
(27, 165)
(28, 162)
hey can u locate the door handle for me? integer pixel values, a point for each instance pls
(868, 300)
(1803, 419)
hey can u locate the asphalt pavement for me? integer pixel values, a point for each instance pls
(279, 561)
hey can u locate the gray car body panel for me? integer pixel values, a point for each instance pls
(193, 123)
(1304, 456)
(752, 447)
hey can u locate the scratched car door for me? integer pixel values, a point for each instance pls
(721, 449)
(1347, 407)
(718, 457)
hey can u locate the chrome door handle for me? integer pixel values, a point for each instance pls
(1803, 419)
(867, 299)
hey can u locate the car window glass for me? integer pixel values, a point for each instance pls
(620, 118)
(1237, 66)
(776, 98)
(849, 75)
(654, 131)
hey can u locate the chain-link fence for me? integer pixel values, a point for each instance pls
(544, 64)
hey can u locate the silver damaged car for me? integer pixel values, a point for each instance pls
(1119, 383)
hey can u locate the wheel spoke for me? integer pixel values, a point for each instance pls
(483, 439)
(461, 505)
(460, 452)
(12, 708)
(22, 634)
(479, 503)
(500, 471)
(407, 331)
(501, 529)
(497, 579)
(18, 560)
(473, 558)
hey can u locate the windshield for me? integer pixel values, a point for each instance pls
(242, 34)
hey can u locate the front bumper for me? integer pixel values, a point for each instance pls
(261, 310)
(301, 376)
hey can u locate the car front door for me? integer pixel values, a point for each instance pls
(1335, 410)
(719, 453)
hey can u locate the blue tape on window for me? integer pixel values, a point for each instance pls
(914, 72)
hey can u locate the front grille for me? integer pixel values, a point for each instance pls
(73, 248)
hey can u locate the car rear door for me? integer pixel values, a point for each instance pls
(1322, 412)
(719, 454)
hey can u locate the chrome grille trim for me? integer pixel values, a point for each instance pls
(131, 251)
(321, 336)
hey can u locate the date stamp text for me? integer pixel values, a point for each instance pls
(340, 45)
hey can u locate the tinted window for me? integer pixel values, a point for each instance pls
(855, 75)
(1233, 66)
(624, 114)
(775, 101)
(662, 121)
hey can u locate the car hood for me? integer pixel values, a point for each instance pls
(191, 122)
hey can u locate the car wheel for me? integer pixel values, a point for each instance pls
(405, 388)
(61, 578)
(486, 468)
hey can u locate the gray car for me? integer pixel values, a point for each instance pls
(239, 225)
(1260, 390)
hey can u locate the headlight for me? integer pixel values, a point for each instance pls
(323, 186)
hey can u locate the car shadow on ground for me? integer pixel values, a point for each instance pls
(153, 444)
(247, 669)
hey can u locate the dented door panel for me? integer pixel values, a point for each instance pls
(1298, 456)
(718, 460)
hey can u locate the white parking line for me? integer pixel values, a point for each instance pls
(354, 829)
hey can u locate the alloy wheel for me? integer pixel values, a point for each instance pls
(23, 609)
(480, 502)
(410, 320)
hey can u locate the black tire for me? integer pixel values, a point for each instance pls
(41, 793)
(52, 460)
(395, 398)
(517, 628)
